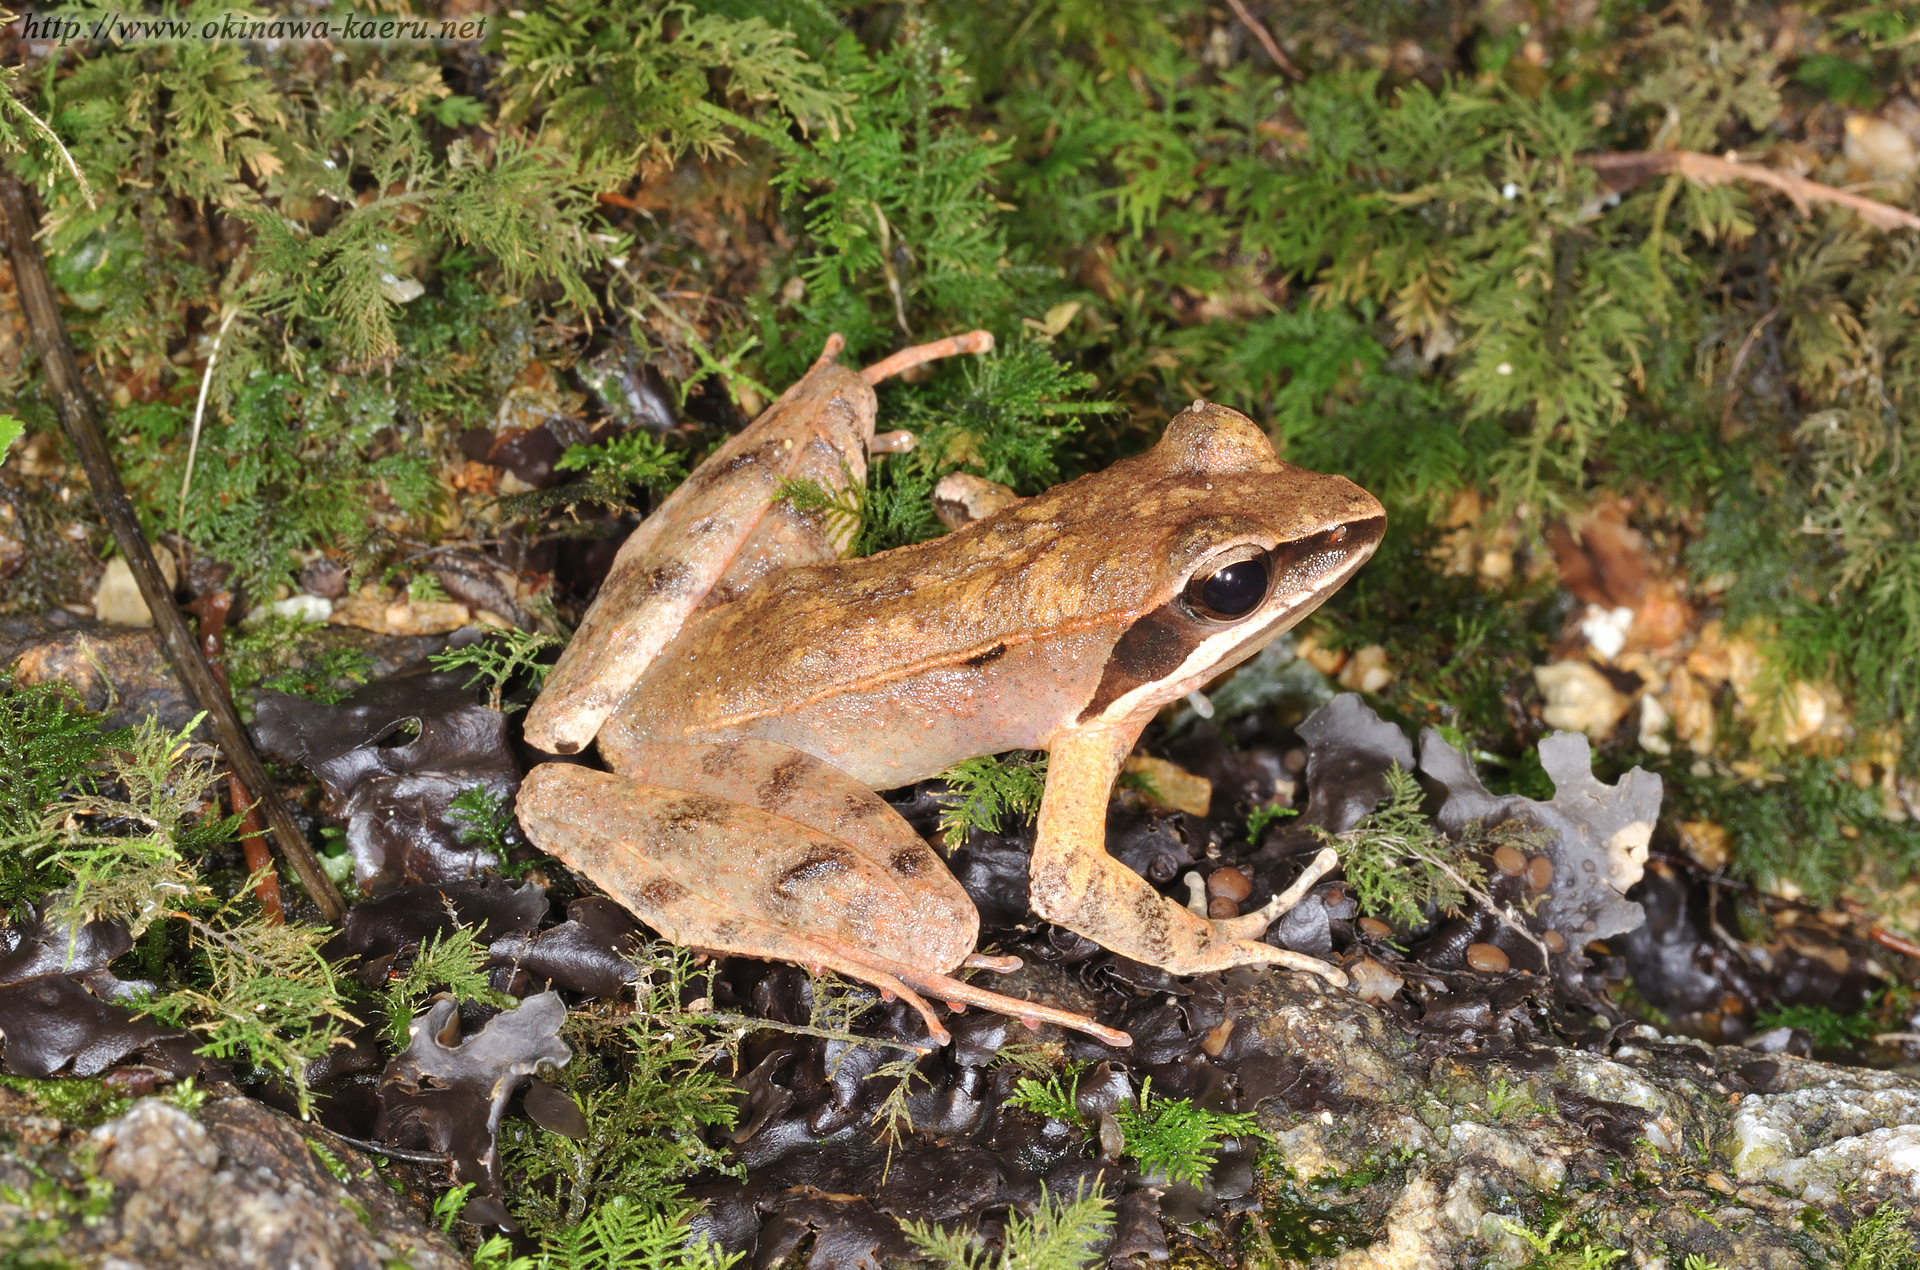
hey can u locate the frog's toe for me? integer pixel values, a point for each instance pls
(1255, 953)
(1253, 925)
(958, 992)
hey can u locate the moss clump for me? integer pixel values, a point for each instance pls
(79, 1102)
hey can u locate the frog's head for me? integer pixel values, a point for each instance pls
(1243, 546)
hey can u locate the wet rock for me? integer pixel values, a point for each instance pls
(235, 1184)
(1341, 1083)
(629, 389)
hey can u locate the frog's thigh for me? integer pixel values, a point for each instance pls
(721, 873)
(796, 862)
(796, 786)
(1074, 883)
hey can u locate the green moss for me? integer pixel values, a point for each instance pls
(76, 1101)
(1174, 1138)
(983, 792)
(501, 660)
(1881, 1240)
(48, 748)
(1061, 1234)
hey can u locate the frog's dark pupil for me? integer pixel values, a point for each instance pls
(1232, 591)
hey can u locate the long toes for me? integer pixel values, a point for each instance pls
(1247, 925)
(1029, 1012)
(1270, 955)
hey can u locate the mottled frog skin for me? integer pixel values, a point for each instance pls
(749, 689)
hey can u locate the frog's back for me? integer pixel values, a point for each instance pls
(896, 666)
(998, 636)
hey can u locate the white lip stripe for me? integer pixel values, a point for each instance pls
(1201, 661)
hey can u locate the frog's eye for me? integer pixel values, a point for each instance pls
(1231, 587)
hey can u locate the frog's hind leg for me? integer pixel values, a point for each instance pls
(818, 870)
(726, 527)
(793, 784)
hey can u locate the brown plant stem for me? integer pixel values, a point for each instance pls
(83, 429)
(1623, 171)
(212, 611)
(1265, 37)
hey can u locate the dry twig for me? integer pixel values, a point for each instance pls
(110, 495)
(1265, 37)
(1623, 171)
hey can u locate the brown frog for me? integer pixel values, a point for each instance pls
(750, 689)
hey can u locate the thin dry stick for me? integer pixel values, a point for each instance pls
(920, 354)
(110, 496)
(200, 408)
(1739, 360)
(1518, 928)
(893, 277)
(1630, 168)
(1261, 34)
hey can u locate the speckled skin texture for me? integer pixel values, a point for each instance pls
(1057, 623)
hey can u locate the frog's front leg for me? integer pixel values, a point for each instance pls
(1073, 881)
(757, 849)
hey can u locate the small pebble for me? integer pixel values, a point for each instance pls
(1373, 981)
(1556, 942)
(1221, 906)
(1487, 958)
(1375, 927)
(1113, 1140)
(1539, 873)
(1229, 883)
(1509, 861)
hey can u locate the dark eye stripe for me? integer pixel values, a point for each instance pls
(1150, 650)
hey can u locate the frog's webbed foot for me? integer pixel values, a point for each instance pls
(1074, 883)
(756, 849)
